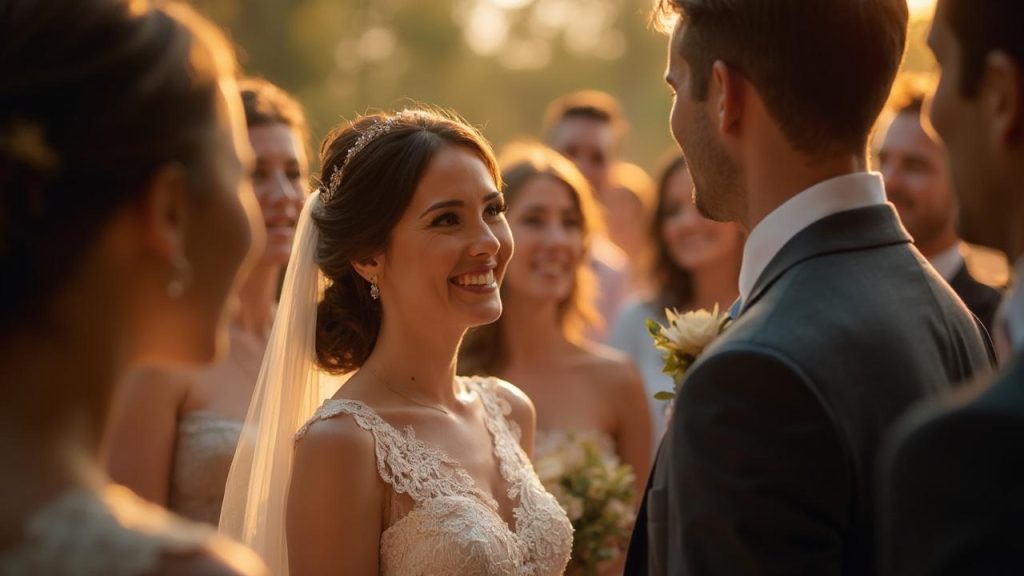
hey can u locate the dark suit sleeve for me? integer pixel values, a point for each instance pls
(951, 498)
(758, 480)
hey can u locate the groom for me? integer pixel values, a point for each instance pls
(768, 465)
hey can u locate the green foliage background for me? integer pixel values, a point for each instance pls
(316, 49)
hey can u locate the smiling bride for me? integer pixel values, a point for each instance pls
(407, 468)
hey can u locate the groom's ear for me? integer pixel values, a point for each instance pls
(727, 97)
(369, 268)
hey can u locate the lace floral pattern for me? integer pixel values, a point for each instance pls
(454, 527)
(115, 533)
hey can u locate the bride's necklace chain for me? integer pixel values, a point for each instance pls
(405, 396)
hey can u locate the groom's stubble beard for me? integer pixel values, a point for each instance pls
(717, 193)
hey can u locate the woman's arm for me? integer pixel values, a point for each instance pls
(335, 502)
(142, 431)
(633, 432)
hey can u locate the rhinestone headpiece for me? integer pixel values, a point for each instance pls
(378, 129)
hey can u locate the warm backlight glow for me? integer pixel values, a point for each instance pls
(921, 8)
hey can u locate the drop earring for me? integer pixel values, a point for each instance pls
(374, 289)
(181, 278)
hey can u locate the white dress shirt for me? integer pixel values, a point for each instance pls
(949, 262)
(847, 192)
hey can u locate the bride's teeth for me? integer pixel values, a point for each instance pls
(475, 279)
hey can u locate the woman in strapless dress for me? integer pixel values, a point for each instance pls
(581, 389)
(124, 222)
(173, 435)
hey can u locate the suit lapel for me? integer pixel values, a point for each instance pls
(858, 229)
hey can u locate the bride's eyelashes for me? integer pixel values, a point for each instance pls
(447, 219)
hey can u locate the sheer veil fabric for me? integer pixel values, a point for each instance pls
(288, 392)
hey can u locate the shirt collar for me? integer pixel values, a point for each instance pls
(1015, 310)
(948, 262)
(847, 192)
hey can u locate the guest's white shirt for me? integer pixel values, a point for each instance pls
(1015, 310)
(949, 262)
(847, 192)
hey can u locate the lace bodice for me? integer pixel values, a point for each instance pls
(113, 533)
(454, 528)
(205, 446)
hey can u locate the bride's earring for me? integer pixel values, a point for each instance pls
(374, 289)
(181, 277)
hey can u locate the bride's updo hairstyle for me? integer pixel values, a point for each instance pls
(359, 208)
(95, 97)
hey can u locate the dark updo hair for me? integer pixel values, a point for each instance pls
(267, 104)
(95, 97)
(355, 223)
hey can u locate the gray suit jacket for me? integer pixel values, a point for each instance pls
(768, 464)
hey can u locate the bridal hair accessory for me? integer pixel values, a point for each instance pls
(378, 129)
(374, 289)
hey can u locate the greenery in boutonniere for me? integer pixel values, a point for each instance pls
(682, 341)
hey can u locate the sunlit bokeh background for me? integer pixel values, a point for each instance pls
(497, 62)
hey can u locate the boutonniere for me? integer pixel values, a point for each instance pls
(683, 340)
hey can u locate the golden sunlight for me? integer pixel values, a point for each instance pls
(921, 8)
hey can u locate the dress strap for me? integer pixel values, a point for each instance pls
(513, 462)
(404, 462)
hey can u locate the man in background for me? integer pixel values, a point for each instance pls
(587, 127)
(918, 182)
(951, 498)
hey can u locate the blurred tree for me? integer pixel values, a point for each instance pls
(496, 62)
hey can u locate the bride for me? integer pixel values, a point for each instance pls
(406, 469)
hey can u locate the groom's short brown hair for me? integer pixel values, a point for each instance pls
(823, 68)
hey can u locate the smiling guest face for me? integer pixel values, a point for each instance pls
(278, 180)
(548, 228)
(448, 253)
(694, 242)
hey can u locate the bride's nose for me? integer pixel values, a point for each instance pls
(485, 241)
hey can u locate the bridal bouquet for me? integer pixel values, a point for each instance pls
(597, 494)
(685, 337)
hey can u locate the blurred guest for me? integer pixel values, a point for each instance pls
(629, 211)
(696, 266)
(951, 495)
(126, 215)
(587, 127)
(915, 167)
(578, 387)
(173, 436)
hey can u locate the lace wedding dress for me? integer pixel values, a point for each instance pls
(112, 533)
(453, 527)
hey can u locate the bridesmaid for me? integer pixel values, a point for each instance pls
(124, 219)
(696, 266)
(173, 435)
(577, 386)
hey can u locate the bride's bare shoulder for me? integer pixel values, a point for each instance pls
(333, 431)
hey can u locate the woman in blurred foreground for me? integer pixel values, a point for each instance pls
(173, 434)
(123, 224)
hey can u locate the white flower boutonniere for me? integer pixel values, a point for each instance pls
(682, 341)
